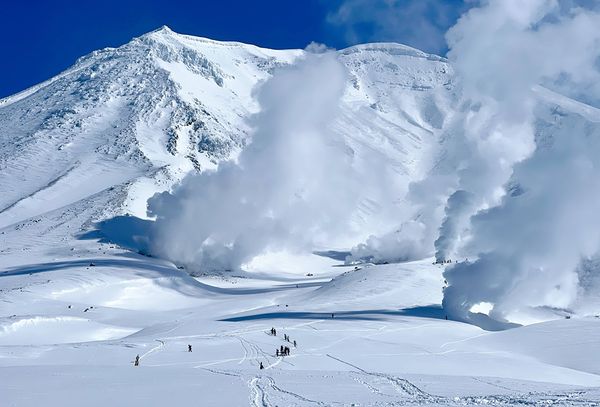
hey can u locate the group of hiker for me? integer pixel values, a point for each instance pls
(448, 261)
(283, 350)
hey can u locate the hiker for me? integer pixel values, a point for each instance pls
(281, 350)
(261, 366)
(287, 351)
(446, 317)
(274, 332)
(276, 352)
(332, 316)
(189, 348)
(294, 343)
(137, 361)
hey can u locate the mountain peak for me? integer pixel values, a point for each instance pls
(162, 30)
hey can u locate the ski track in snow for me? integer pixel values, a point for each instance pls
(402, 385)
(160, 346)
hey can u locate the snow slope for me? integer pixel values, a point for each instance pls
(94, 142)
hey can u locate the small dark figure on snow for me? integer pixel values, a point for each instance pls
(189, 348)
(137, 361)
(281, 349)
(276, 352)
(331, 316)
(287, 351)
(294, 343)
(261, 367)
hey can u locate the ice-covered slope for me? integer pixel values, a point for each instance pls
(139, 117)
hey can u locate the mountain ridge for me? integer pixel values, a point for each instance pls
(164, 104)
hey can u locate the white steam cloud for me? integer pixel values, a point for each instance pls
(291, 188)
(515, 187)
(529, 244)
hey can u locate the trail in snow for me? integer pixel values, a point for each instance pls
(160, 346)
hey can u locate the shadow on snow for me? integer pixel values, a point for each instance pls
(433, 311)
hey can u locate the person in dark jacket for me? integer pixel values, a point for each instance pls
(137, 361)
(261, 367)
(189, 348)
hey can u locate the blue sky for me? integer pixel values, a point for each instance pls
(42, 38)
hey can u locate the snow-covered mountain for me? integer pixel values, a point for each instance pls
(98, 140)
(139, 117)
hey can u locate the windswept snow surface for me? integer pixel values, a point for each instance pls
(75, 308)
